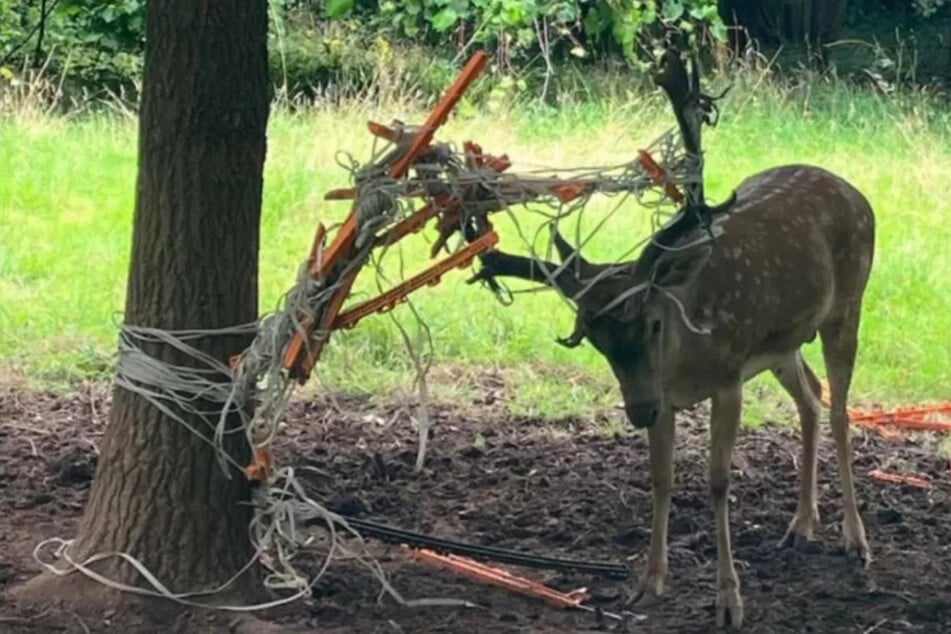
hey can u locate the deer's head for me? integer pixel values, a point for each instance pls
(633, 315)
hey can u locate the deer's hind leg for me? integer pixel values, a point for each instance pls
(839, 347)
(798, 379)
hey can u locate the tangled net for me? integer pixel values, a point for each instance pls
(283, 505)
(463, 188)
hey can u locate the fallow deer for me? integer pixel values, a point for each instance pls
(692, 320)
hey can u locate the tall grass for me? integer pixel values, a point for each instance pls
(66, 201)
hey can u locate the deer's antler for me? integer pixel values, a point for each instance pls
(583, 282)
(692, 108)
(497, 263)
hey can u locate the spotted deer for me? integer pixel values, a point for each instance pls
(692, 320)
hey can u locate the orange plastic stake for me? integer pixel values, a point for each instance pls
(451, 207)
(657, 174)
(498, 163)
(346, 193)
(566, 192)
(349, 193)
(260, 467)
(889, 423)
(417, 220)
(439, 115)
(384, 132)
(445, 204)
(430, 277)
(448, 223)
(314, 259)
(315, 265)
(306, 365)
(378, 130)
(911, 424)
(912, 418)
(920, 482)
(474, 157)
(343, 242)
(501, 578)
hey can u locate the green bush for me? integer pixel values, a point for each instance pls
(523, 29)
(312, 56)
(88, 44)
(95, 45)
(928, 8)
(340, 47)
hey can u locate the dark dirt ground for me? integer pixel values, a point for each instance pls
(559, 488)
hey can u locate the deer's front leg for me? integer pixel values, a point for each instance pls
(724, 422)
(661, 439)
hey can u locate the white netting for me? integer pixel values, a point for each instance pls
(260, 383)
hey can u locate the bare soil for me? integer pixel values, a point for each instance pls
(563, 488)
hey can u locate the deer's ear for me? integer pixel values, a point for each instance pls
(676, 268)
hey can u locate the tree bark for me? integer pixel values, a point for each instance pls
(159, 493)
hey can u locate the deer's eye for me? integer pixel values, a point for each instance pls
(655, 327)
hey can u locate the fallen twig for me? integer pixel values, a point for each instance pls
(875, 627)
(82, 624)
(27, 428)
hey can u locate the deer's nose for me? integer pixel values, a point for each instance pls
(643, 415)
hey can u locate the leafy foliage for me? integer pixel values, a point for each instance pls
(527, 27)
(90, 42)
(344, 44)
(99, 43)
(927, 8)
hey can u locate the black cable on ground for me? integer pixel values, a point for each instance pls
(391, 535)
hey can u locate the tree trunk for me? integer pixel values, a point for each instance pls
(159, 493)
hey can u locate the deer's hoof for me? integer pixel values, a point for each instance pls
(650, 588)
(801, 533)
(729, 608)
(855, 543)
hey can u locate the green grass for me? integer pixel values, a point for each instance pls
(66, 200)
